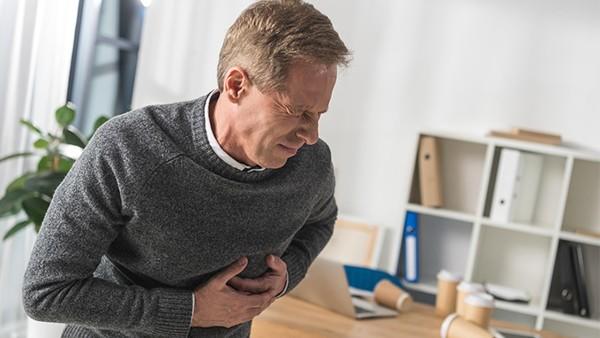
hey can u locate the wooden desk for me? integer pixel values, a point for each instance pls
(294, 318)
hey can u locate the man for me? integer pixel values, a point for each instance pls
(189, 219)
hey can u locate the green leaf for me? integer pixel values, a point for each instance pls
(65, 115)
(40, 144)
(16, 228)
(19, 182)
(10, 204)
(35, 208)
(8, 157)
(44, 183)
(74, 137)
(45, 163)
(31, 127)
(64, 164)
(97, 124)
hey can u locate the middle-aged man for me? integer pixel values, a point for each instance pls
(189, 219)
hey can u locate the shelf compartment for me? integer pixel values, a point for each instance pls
(591, 257)
(584, 239)
(527, 309)
(499, 260)
(570, 328)
(582, 212)
(461, 165)
(524, 228)
(572, 319)
(443, 213)
(443, 244)
(547, 204)
(513, 316)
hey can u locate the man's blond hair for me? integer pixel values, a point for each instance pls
(270, 35)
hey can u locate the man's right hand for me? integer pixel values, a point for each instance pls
(218, 304)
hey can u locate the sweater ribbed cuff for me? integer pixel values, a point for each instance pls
(285, 287)
(174, 313)
(296, 271)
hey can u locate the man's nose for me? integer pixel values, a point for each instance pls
(309, 131)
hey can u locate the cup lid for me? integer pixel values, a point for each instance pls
(470, 287)
(480, 299)
(446, 325)
(447, 275)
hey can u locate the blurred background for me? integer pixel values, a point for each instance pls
(463, 66)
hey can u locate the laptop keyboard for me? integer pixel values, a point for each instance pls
(359, 309)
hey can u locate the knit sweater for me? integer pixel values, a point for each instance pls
(149, 212)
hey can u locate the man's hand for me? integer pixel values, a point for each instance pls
(271, 282)
(217, 304)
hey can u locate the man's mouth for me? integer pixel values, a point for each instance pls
(289, 150)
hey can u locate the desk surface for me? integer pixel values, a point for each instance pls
(294, 318)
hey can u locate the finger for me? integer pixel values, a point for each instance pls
(248, 284)
(260, 300)
(231, 271)
(277, 264)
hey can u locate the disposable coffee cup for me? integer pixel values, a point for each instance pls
(463, 290)
(455, 326)
(445, 302)
(478, 309)
(391, 296)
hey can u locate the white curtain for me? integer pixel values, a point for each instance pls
(36, 42)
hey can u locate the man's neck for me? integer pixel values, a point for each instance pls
(223, 128)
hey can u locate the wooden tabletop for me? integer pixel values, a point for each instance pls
(294, 318)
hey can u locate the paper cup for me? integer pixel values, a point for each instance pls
(478, 309)
(455, 326)
(445, 302)
(463, 290)
(391, 296)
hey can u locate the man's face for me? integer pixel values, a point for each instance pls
(275, 125)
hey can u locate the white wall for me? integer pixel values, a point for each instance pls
(464, 65)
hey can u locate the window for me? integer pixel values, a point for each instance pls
(105, 58)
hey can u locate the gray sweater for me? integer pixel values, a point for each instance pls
(149, 212)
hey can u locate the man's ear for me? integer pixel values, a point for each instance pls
(236, 83)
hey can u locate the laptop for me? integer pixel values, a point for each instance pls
(325, 284)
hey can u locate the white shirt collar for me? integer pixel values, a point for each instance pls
(216, 147)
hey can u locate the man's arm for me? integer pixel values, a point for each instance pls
(84, 218)
(312, 237)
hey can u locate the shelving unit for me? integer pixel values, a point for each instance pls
(462, 238)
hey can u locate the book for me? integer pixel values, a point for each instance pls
(516, 187)
(430, 180)
(528, 135)
(411, 247)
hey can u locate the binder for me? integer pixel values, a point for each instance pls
(411, 247)
(563, 288)
(582, 305)
(430, 180)
(568, 291)
(516, 188)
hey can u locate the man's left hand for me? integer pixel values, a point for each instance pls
(272, 281)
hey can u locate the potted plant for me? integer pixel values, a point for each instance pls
(30, 194)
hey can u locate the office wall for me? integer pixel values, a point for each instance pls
(461, 65)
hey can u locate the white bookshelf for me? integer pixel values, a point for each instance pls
(462, 238)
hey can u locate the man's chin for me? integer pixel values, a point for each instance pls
(275, 163)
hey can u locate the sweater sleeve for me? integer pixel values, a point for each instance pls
(313, 236)
(84, 218)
